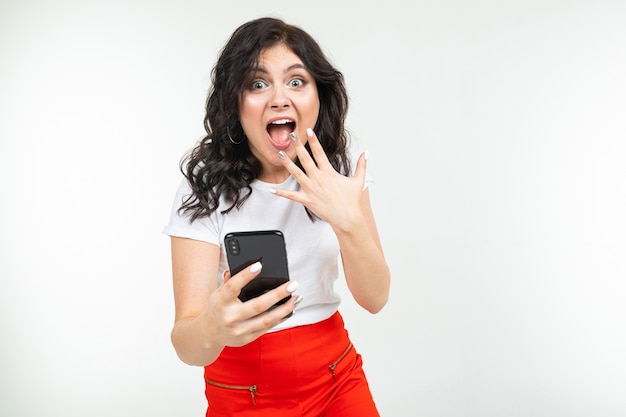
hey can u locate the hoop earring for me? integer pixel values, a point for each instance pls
(231, 139)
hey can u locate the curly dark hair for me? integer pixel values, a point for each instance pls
(218, 167)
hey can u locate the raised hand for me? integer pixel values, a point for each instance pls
(333, 197)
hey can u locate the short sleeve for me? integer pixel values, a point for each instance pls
(204, 229)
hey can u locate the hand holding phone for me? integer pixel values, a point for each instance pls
(267, 246)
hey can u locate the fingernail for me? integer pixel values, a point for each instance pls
(366, 155)
(292, 136)
(255, 267)
(292, 286)
(281, 155)
(273, 190)
(309, 132)
(298, 300)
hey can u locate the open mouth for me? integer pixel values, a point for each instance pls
(279, 130)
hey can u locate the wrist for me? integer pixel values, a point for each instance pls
(350, 226)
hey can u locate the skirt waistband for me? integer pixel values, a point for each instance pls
(277, 358)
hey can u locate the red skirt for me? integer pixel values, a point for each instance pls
(310, 370)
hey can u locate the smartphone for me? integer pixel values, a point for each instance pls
(267, 246)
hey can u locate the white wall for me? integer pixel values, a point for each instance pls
(497, 137)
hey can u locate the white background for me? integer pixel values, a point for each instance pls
(497, 138)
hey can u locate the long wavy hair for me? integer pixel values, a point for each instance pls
(221, 164)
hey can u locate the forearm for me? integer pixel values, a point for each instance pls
(365, 268)
(192, 344)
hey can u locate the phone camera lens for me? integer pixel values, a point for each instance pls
(234, 246)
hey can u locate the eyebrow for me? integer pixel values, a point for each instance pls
(289, 68)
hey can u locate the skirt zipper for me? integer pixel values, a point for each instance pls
(252, 388)
(333, 365)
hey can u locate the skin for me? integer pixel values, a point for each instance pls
(282, 88)
(209, 317)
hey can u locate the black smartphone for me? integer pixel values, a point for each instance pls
(267, 246)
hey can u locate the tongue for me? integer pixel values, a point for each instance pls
(279, 135)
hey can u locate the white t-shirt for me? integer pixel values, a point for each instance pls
(312, 247)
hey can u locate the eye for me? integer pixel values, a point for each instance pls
(258, 85)
(296, 82)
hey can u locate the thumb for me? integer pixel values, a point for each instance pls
(361, 165)
(235, 283)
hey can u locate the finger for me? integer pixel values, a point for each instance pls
(290, 195)
(265, 321)
(270, 318)
(264, 302)
(303, 155)
(316, 149)
(293, 169)
(234, 284)
(226, 275)
(361, 167)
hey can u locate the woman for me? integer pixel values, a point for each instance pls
(276, 156)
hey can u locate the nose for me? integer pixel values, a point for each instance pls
(279, 98)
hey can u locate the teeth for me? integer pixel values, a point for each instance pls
(281, 122)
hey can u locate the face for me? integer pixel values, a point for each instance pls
(282, 98)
